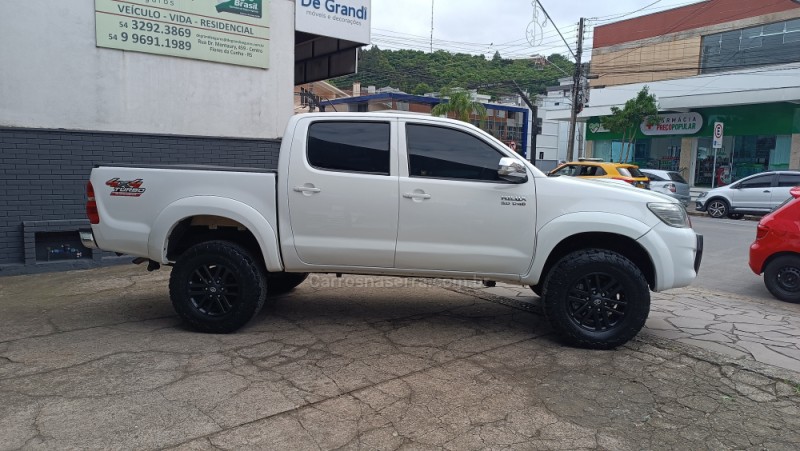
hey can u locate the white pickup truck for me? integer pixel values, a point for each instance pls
(398, 195)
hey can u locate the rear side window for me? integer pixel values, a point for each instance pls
(788, 180)
(592, 171)
(676, 177)
(444, 153)
(349, 146)
(630, 172)
(653, 177)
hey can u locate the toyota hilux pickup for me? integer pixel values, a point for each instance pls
(395, 194)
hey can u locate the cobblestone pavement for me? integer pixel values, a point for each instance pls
(97, 359)
(738, 327)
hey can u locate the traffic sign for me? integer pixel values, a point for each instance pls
(718, 134)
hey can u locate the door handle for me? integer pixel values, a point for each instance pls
(306, 189)
(416, 196)
(766, 191)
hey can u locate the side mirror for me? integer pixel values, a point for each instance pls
(511, 170)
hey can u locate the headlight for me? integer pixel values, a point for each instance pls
(702, 195)
(673, 215)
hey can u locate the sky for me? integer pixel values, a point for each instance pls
(507, 26)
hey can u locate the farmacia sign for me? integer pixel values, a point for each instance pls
(674, 124)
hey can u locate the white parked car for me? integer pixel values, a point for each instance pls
(670, 183)
(400, 195)
(757, 194)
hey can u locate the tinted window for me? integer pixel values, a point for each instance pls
(570, 170)
(762, 181)
(591, 171)
(450, 154)
(349, 146)
(631, 172)
(653, 177)
(676, 177)
(788, 179)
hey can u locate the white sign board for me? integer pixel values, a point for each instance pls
(674, 124)
(718, 134)
(341, 19)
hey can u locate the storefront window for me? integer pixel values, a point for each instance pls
(739, 157)
(648, 153)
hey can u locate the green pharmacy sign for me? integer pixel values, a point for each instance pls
(250, 8)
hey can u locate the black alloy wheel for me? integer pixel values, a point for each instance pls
(597, 302)
(214, 289)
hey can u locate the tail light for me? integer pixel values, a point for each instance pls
(671, 187)
(761, 231)
(632, 182)
(91, 205)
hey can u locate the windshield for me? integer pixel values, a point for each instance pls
(676, 177)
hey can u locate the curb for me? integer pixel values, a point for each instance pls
(745, 218)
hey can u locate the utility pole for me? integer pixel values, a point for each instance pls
(577, 87)
(432, 26)
(534, 130)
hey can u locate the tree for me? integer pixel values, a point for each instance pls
(460, 105)
(626, 121)
(422, 88)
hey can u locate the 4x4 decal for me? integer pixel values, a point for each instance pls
(127, 188)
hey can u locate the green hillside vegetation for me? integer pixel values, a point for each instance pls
(417, 72)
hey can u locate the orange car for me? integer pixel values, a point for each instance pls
(598, 169)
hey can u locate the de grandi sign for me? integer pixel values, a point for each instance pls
(673, 124)
(224, 31)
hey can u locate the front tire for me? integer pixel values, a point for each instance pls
(217, 287)
(596, 299)
(782, 278)
(717, 208)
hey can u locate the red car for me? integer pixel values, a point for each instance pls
(776, 250)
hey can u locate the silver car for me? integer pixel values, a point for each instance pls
(670, 183)
(757, 194)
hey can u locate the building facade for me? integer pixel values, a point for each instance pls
(86, 82)
(722, 62)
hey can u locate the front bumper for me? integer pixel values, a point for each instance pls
(699, 205)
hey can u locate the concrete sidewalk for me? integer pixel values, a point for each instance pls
(97, 359)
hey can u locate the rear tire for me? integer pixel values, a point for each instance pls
(717, 208)
(284, 282)
(782, 278)
(217, 287)
(596, 299)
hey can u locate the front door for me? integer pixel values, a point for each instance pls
(754, 193)
(456, 214)
(342, 189)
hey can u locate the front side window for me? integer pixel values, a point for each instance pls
(762, 181)
(444, 153)
(349, 146)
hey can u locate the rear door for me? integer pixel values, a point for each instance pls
(456, 214)
(754, 193)
(343, 194)
(780, 193)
